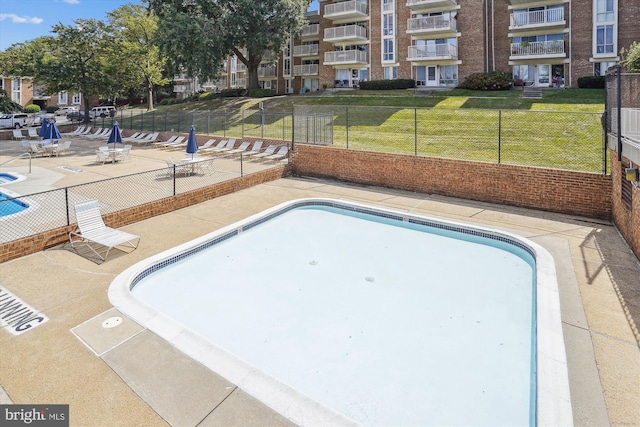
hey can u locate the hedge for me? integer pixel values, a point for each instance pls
(387, 84)
(591, 82)
(495, 80)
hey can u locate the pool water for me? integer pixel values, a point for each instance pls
(386, 322)
(6, 178)
(10, 206)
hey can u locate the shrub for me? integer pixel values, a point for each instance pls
(52, 108)
(495, 80)
(591, 82)
(232, 93)
(32, 108)
(387, 84)
(207, 96)
(260, 93)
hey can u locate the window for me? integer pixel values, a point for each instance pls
(387, 54)
(76, 99)
(600, 68)
(390, 73)
(604, 10)
(387, 24)
(604, 39)
(16, 90)
(449, 75)
(62, 98)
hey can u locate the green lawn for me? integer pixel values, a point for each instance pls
(562, 130)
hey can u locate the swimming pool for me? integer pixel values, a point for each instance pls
(9, 205)
(10, 177)
(432, 340)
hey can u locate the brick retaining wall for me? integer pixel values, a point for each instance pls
(569, 192)
(626, 219)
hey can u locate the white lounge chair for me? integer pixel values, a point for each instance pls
(17, 134)
(220, 144)
(257, 146)
(97, 133)
(33, 133)
(267, 152)
(280, 154)
(161, 144)
(242, 147)
(92, 231)
(78, 131)
(176, 143)
(135, 137)
(147, 139)
(207, 144)
(227, 147)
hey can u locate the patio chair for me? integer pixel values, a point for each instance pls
(254, 150)
(61, 148)
(242, 147)
(17, 134)
(280, 154)
(206, 167)
(102, 156)
(92, 231)
(125, 153)
(210, 149)
(33, 134)
(267, 152)
(174, 168)
(36, 149)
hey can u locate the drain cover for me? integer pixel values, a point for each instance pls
(111, 322)
(70, 169)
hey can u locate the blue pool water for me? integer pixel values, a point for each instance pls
(6, 178)
(10, 206)
(386, 320)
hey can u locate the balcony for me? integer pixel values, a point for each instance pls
(436, 25)
(535, 50)
(267, 73)
(546, 19)
(345, 57)
(306, 70)
(353, 10)
(240, 83)
(241, 68)
(306, 50)
(424, 5)
(436, 52)
(349, 33)
(311, 31)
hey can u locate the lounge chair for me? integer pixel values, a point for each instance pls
(102, 135)
(33, 134)
(147, 139)
(254, 150)
(267, 152)
(242, 147)
(87, 131)
(280, 154)
(207, 144)
(17, 134)
(177, 143)
(171, 140)
(220, 144)
(227, 147)
(78, 131)
(97, 133)
(92, 231)
(132, 136)
(135, 137)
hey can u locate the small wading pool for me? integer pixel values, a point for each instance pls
(9, 205)
(333, 312)
(10, 177)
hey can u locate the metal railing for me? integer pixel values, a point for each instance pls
(21, 156)
(555, 47)
(432, 51)
(537, 17)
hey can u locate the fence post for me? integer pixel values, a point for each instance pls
(415, 131)
(208, 121)
(619, 108)
(224, 125)
(241, 164)
(242, 123)
(165, 120)
(153, 121)
(66, 202)
(346, 122)
(131, 119)
(283, 119)
(179, 117)
(499, 136)
(293, 125)
(174, 178)
(141, 121)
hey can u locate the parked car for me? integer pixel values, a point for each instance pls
(104, 111)
(36, 119)
(13, 120)
(62, 111)
(75, 116)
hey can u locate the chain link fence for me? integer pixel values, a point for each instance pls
(23, 216)
(622, 106)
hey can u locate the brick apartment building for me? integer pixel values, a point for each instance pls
(438, 43)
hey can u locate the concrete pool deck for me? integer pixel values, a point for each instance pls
(128, 376)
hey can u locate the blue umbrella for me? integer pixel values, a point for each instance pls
(192, 143)
(52, 131)
(44, 127)
(115, 137)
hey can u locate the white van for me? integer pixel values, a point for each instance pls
(104, 111)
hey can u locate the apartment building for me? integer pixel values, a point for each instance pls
(437, 43)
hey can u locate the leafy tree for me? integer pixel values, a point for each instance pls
(77, 60)
(7, 105)
(632, 59)
(201, 34)
(134, 55)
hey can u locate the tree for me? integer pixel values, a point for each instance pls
(201, 34)
(134, 53)
(632, 59)
(77, 61)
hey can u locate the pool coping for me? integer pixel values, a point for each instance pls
(552, 389)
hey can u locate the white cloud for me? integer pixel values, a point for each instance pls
(72, 1)
(20, 19)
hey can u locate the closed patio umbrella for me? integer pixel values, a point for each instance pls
(192, 142)
(44, 128)
(115, 137)
(52, 131)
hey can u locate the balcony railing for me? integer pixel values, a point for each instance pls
(431, 24)
(306, 50)
(241, 68)
(241, 83)
(306, 70)
(553, 48)
(535, 18)
(430, 52)
(310, 30)
(346, 33)
(346, 10)
(418, 5)
(345, 57)
(267, 72)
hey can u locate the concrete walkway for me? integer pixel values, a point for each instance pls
(126, 375)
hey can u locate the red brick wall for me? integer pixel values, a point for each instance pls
(626, 219)
(569, 192)
(42, 241)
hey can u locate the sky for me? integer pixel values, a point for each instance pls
(23, 20)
